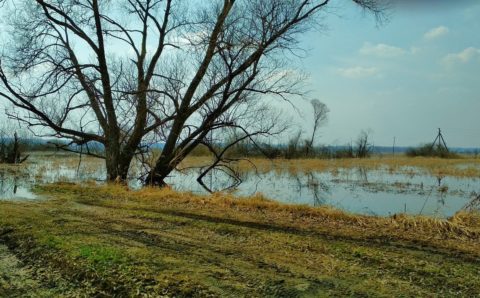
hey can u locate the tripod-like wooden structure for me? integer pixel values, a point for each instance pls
(440, 142)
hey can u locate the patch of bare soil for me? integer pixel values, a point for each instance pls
(16, 280)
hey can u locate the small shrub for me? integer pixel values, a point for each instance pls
(429, 150)
(201, 150)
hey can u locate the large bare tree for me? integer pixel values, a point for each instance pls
(123, 72)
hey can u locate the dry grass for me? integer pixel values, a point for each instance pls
(152, 242)
(324, 218)
(440, 167)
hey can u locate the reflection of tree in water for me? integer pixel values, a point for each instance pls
(8, 184)
(362, 174)
(474, 204)
(439, 180)
(220, 179)
(319, 189)
(296, 177)
(442, 192)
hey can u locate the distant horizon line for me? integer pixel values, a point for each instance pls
(382, 147)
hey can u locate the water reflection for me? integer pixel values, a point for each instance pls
(358, 190)
(474, 203)
(13, 186)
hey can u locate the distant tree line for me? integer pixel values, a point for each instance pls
(296, 147)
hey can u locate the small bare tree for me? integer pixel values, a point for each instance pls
(363, 146)
(253, 123)
(11, 147)
(320, 117)
(293, 145)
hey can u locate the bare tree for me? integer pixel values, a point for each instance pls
(61, 72)
(11, 146)
(363, 146)
(122, 73)
(293, 145)
(248, 127)
(320, 117)
(244, 60)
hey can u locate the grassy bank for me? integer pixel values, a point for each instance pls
(86, 240)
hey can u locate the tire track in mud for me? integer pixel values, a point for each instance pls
(373, 241)
(23, 277)
(139, 232)
(17, 280)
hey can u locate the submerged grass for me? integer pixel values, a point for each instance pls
(111, 241)
(462, 166)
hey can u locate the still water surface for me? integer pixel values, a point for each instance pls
(357, 190)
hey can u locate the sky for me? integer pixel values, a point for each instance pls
(403, 79)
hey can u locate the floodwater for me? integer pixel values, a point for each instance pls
(357, 190)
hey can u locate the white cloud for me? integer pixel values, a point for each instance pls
(436, 33)
(381, 50)
(415, 50)
(357, 72)
(463, 57)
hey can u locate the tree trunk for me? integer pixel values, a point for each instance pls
(13, 154)
(117, 164)
(112, 160)
(15, 158)
(168, 162)
(157, 175)
(123, 167)
(117, 167)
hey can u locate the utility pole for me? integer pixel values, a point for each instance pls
(393, 148)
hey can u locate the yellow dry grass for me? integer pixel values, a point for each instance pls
(440, 167)
(456, 232)
(159, 242)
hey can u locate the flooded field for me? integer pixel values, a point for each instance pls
(358, 189)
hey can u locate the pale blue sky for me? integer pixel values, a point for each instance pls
(403, 79)
(418, 72)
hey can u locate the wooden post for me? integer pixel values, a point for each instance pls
(393, 148)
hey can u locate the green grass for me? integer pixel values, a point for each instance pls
(114, 242)
(101, 254)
